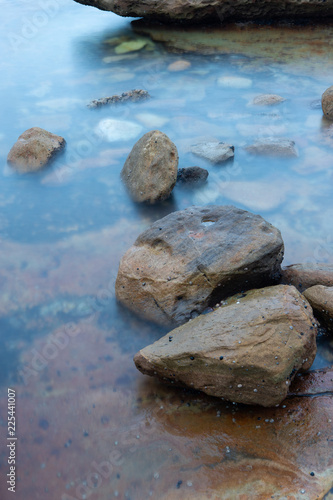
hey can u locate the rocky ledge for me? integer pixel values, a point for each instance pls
(201, 11)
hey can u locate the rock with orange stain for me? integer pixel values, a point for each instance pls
(190, 259)
(248, 351)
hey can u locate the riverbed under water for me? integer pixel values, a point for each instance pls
(65, 344)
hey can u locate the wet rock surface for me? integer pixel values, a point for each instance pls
(321, 300)
(215, 152)
(273, 146)
(327, 103)
(214, 11)
(304, 276)
(191, 258)
(130, 96)
(192, 175)
(247, 350)
(150, 171)
(34, 149)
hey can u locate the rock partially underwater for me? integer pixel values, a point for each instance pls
(321, 299)
(190, 259)
(246, 351)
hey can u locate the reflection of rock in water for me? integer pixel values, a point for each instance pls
(155, 438)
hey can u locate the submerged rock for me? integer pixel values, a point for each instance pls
(267, 100)
(131, 96)
(131, 46)
(235, 82)
(327, 103)
(273, 146)
(150, 171)
(34, 149)
(192, 175)
(303, 276)
(215, 152)
(201, 11)
(190, 259)
(321, 300)
(247, 351)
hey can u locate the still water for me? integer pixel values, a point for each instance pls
(89, 424)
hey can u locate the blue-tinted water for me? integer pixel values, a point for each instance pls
(64, 229)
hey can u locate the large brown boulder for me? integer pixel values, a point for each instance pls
(150, 171)
(200, 11)
(247, 350)
(321, 299)
(34, 149)
(303, 276)
(192, 258)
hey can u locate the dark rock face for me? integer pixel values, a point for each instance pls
(187, 11)
(150, 171)
(321, 299)
(247, 351)
(190, 259)
(327, 103)
(192, 175)
(34, 149)
(302, 276)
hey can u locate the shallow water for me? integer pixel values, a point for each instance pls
(66, 346)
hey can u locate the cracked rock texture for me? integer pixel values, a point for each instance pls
(200, 11)
(193, 258)
(247, 351)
